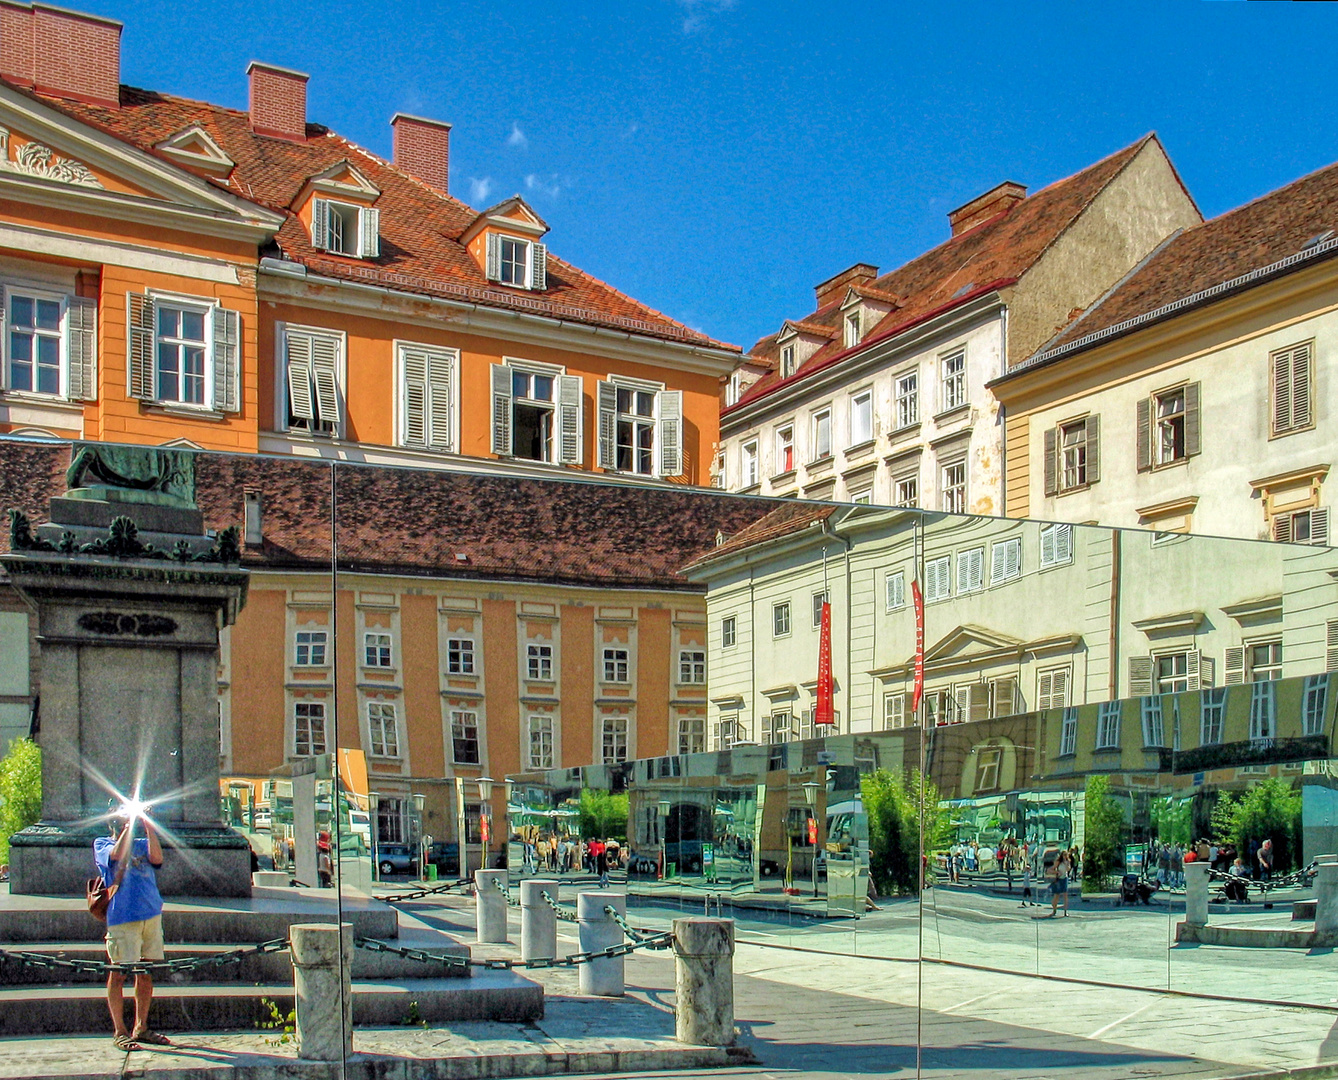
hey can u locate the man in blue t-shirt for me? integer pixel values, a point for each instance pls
(134, 920)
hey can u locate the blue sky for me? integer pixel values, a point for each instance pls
(718, 158)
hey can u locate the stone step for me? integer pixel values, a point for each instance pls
(272, 967)
(489, 995)
(1304, 910)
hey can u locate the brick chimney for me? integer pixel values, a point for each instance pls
(999, 200)
(278, 101)
(62, 53)
(833, 287)
(422, 148)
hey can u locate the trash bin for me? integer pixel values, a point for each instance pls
(671, 870)
(431, 871)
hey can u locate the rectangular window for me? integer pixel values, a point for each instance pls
(938, 578)
(515, 262)
(1108, 726)
(1292, 379)
(459, 656)
(906, 491)
(1068, 732)
(819, 599)
(615, 666)
(1056, 545)
(729, 631)
(987, 768)
(822, 435)
(894, 710)
(1170, 432)
(691, 735)
(776, 727)
(390, 821)
(1154, 734)
(636, 433)
(1073, 448)
(180, 347)
(970, 570)
(954, 380)
(614, 739)
(1172, 673)
(851, 338)
(308, 728)
(692, 667)
(427, 402)
(376, 650)
(541, 742)
(382, 729)
(464, 737)
(1052, 688)
(785, 449)
(309, 648)
(862, 498)
(312, 372)
(1263, 711)
(896, 590)
(861, 418)
(538, 414)
(1265, 661)
(539, 662)
(727, 732)
(1302, 526)
(952, 484)
(748, 464)
(36, 343)
(345, 229)
(1212, 710)
(908, 400)
(787, 364)
(780, 619)
(1314, 705)
(1006, 560)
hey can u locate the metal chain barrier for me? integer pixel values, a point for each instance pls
(561, 913)
(636, 933)
(185, 963)
(506, 891)
(418, 894)
(658, 941)
(1304, 876)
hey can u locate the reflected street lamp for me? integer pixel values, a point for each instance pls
(485, 784)
(664, 837)
(810, 789)
(373, 804)
(418, 800)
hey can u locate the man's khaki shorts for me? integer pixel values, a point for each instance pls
(131, 942)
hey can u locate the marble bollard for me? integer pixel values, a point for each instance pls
(1196, 894)
(538, 921)
(1326, 898)
(704, 981)
(323, 989)
(490, 904)
(604, 977)
(273, 879)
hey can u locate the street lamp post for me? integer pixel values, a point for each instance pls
(373, 804)
(485, 784)
(509, 789)
(810, 790)
(664, 837)
(418, 800)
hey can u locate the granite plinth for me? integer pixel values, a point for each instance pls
(99, 513)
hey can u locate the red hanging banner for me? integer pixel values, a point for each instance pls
(825, 712)
(484, 830)
(919, 645)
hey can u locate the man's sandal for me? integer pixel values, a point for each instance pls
(151, 1037)
(124, 1042)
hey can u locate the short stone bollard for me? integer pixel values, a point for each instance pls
(602, 978)
(490, 902)
(1196, 894)
(262, 879)
(538, 921)
(1326, 898)
(322, 955)
(704, 981)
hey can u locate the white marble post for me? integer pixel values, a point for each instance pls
(704, 981)
(491, 905)
(322, 956)
(538, 921)
(1196, 894)
(1326, 897)
(602, 978)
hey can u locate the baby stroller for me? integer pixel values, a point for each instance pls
(1134, 889)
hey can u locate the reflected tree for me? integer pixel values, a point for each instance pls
(20, 791)
(1104, 835)
(1172, 820)
(1270, 810)
(893, 803)
(603, 816)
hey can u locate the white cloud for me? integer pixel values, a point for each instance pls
(632, 129)
(479, 190)
(696, 13)
(517, 138)
(543, 185)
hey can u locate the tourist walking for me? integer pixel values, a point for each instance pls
(1059, 884)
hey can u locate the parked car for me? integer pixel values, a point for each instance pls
(445, 856)
(263, 819)
(396, 859)
(642, 864)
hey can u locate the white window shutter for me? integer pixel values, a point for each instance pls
(997, 562)
(440, 422)
(1282, 391)
(501, 408)
(369, 229)
(1048, 545)
(1063, 543)
(1093, 449)
(227, 360)
(297, 349)
(1004, 692)
(325, 377)
(1140, 676)
(414, 363)
(1282, 528)
(1059, 689)
(1301, 369)
(320, 223)
(608, 425)
(1331, 646)
(539, 266)
(82, 333)
(140, 353)
(571, 424)
(1207, 672)
(494, 258)
(1143, 434)
(1193, 423)
(979, 699)
(670, 404)
(1045, 682)
(1235, 666)
(1192, 668)
(1013, 558)
(1051, 461)
(1319, 525)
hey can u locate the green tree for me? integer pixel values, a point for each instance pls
(603, 816)
(20, 791)
(897, 805)
(1104, 832)
(1171, 818)
(1270, 810)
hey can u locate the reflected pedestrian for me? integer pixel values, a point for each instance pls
(1059, 885)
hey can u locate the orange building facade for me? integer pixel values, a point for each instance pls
(175, 272)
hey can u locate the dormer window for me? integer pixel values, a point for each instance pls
(515, 261)
(787, 361)
(852, 329)
(345, 229)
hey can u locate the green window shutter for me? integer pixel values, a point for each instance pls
(501, 403)
(140, 353)
(227, 360)
(82, 334)
(608, 425)
(1051, 461)
(1143, 433)
(570, 421)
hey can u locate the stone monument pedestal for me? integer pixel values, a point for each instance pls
(130, 595)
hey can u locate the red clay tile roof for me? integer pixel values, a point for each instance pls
(414, 522)
(1247, 238)
(791, 516)
(420, 225)
(991, 254)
